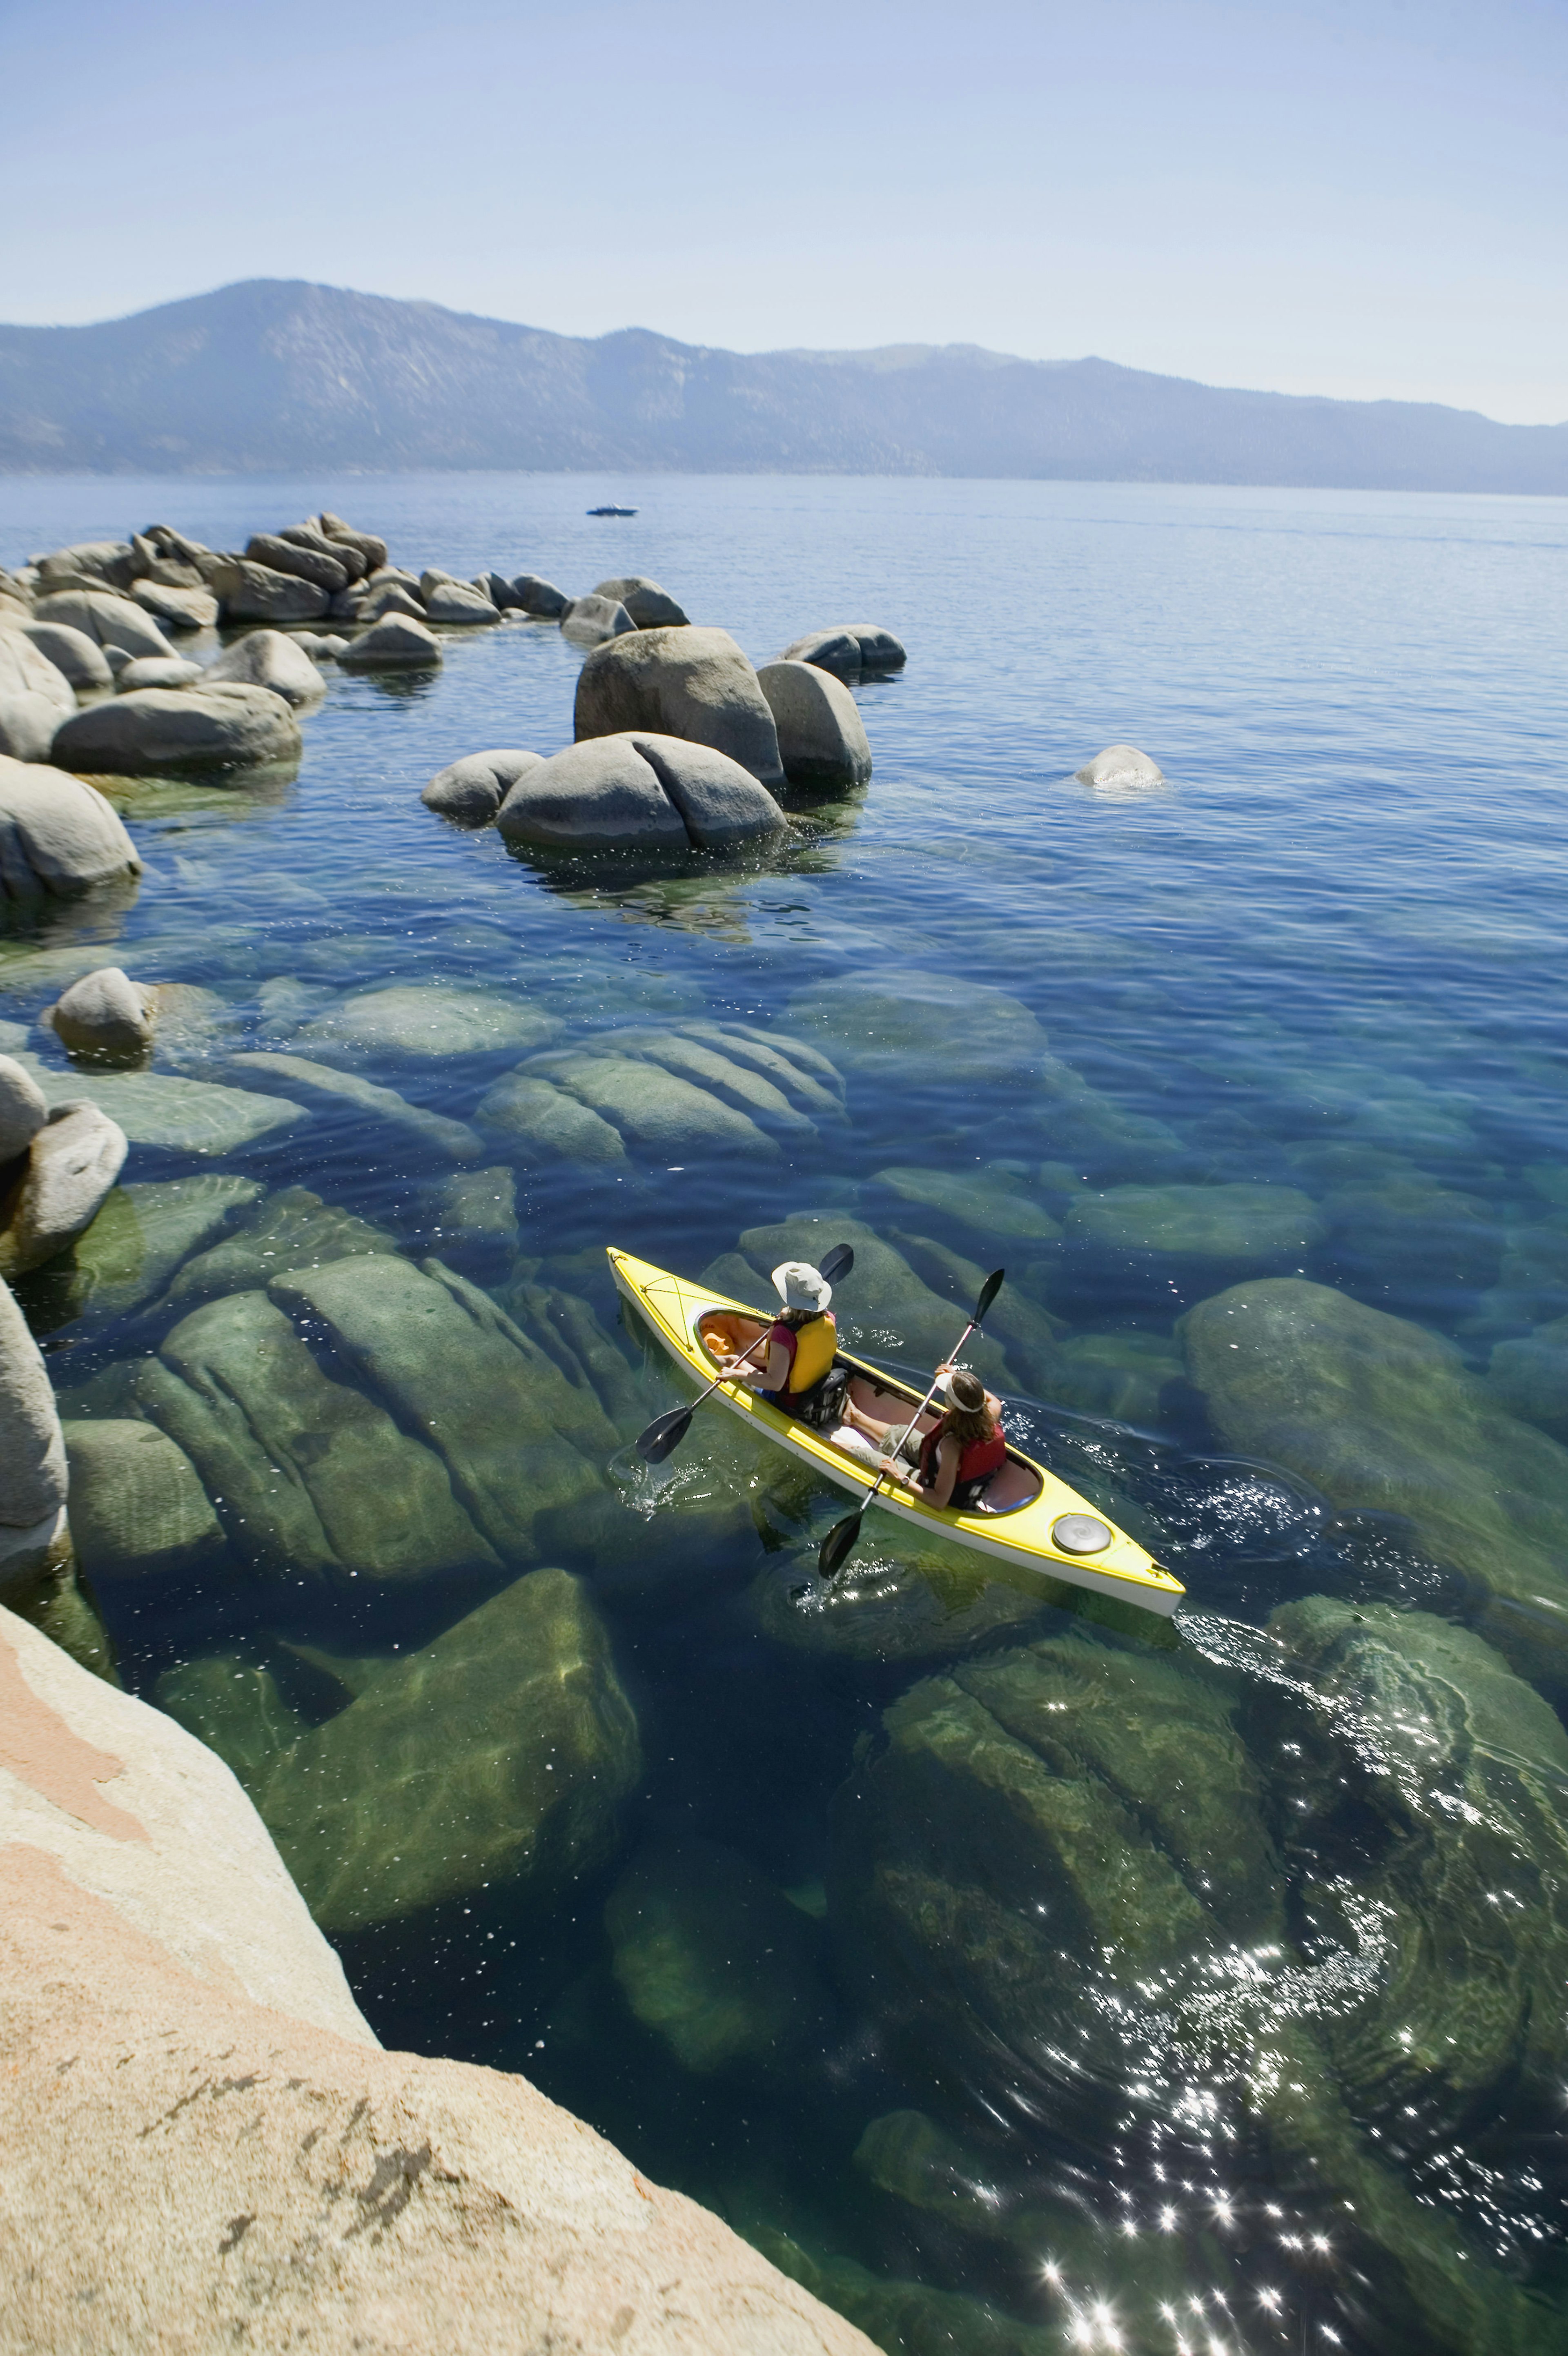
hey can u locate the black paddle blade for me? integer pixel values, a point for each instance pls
(838, 1263)
(664, 1434)
(988, 1293)
(837, 1544)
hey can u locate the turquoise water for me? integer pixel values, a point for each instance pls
(794, 1963)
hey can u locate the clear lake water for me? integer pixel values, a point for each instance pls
(1021, 1973)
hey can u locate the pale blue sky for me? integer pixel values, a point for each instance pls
(1360, 199)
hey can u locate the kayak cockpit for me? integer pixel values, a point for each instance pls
(724, 1331)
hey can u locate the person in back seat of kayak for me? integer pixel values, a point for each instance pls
(963, 1448)
(801, 1344)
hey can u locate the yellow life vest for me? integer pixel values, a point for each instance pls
(815, 1346)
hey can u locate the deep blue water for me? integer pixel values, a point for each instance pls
(1330, 951)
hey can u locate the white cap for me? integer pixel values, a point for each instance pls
(800, 1286)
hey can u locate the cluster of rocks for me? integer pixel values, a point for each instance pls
(680, 744)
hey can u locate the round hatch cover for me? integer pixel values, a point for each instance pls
(1080, 1534)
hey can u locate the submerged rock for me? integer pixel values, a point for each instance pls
(523, 1446)
(714, 1958)
(990, 1201)
(137, 1507)
(1528, 1377)
(309, 1078)
(544, 1124)
(1242, 1226)
(822, 737)
(694, 684)
(500, 1754)
(888, 1311)
(145, 1232)
(430, 1019)
(1123, 1374)
(655, 1110)
(924, 1025)
(186, 1116)
(314, 1479)
(709, 1065)
(291, 1230)
(57, 836)
(1380, 1414)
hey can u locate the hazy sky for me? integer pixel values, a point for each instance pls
(1364, 199)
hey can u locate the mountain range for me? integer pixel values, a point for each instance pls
(281, 375)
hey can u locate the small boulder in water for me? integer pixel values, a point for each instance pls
(531, 595)
(457, 603)
(471, 790)
(592, 620)
(848, 650)
(822, 737)
(397, 642)
(156, 728)
(1121, 768)
(270, 659)
(650, 607)
(158, 671)
(105, 1016)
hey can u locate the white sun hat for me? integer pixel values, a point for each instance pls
(800, 1286)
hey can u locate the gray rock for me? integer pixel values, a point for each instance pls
(143, 1233)
(849, 649)
(592, 620)
(458, 602)
(109, 561)
(472, 790)
(269, 659)
(72, 1163)
(812, 1084)
(524, 1448)
(992, 1201)
(57, 836)
(186, 1116)
(156, 670)
(26, 671)
(663, 791)
(176, 606)
(499, 1757)
(110, 621)
(1528, 1377)
(650, 607)
(259, 593)
(389, 597)
(116, 658)
(531, 595)
(78, 657)
(286, 556)
(331, 646)
(311, 536)
(708, 1064)
(158, 729)
(415, 1020)
(292, 1228)
(654, 1109)
(137, 1507)
(27, 727)
(500, 592)
(691, 683)
(822, 738)
(372, 549)
(547, 1125)
(1121, 768)
(299, 1074)
(24, 1109)
(396, 642)
(892, 1019)
(1242, 1226)
(106, 1016)
(313, 1478)
(32, 1451)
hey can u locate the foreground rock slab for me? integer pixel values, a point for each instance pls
(180, 2053)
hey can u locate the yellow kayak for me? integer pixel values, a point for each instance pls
(1028, 1518)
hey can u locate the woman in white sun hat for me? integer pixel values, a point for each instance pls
(801, 1345)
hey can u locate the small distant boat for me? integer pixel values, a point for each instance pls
(1030, 1519)
(612, 510)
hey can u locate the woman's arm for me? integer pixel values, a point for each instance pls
(770, 1377)
(940, 1491)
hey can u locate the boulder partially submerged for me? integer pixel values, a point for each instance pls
(693, 683)
(57, 836)
(152, 730)
(659, 791)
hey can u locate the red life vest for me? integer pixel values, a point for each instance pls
(978, 1460)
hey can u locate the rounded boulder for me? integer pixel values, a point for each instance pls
(848, 650)
(76, 658)
(57, 836)
(593, 620)
(105, 1016)
(397, 642)
(650, 607)
(822, 737)
(1121, 768)
(471, 790)
(269, 659)
(459, 603)
(258, 593)
(108, 620)
(691, 683)
(156, 670)
(156, 729)
(533, 595)
(659, 791)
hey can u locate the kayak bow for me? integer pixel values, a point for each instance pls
(1030, 1519)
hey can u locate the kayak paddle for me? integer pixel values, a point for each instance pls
(666, 1432)
(843, 1534)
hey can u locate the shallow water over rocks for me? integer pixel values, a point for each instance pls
(1017, 1972)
